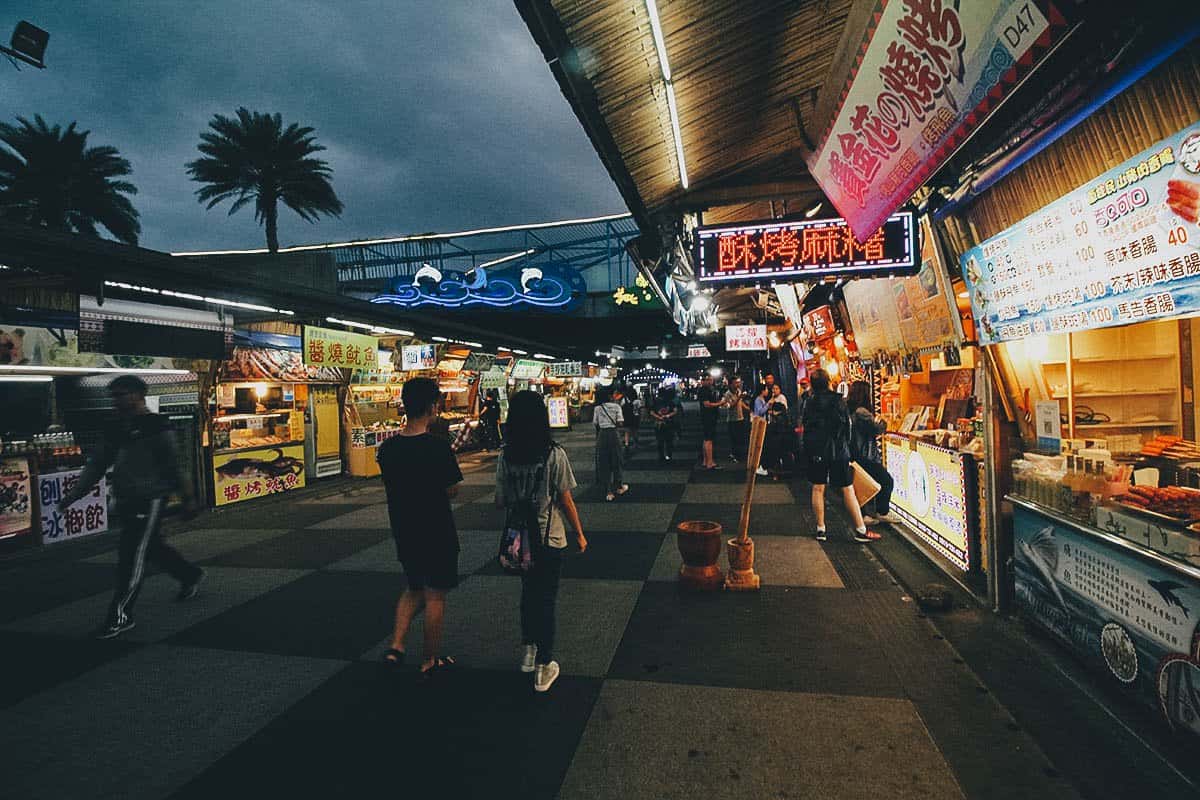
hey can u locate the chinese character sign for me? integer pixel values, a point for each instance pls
(930, 72)
(329, 348)
(84, 517)
(565, 369)
(16, 500)
(931, 495)
(754, 252)
(698, 351)
(248, 474)
(557, 407)
(1122, 248)
(745, 337)
(417, 357)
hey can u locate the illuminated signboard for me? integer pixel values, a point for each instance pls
(418, 356)
(932, 495)
(745, 337)
(557, 408)
(819, 323)
(544, 286)
(811, 248)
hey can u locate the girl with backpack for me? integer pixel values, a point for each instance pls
(827, 446)
(534, 483)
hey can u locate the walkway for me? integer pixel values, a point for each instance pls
(826, 684)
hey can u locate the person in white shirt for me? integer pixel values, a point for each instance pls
(608, 445)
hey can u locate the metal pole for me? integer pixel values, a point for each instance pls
(998, 568)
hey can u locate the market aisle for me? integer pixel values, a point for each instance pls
(824, 684)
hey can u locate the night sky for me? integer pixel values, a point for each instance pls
(437, 116)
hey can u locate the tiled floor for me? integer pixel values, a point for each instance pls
(267, 684)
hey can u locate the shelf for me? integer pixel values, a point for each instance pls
(1111, 360)
(1119, 394)
(234, 417)
(1161, 423)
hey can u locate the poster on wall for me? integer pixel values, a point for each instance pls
(16, 497)
(1128, 617)
(931, 495)
(557, 406)
(30, 345)
(84, 517)
(745, 337)
(268, 364)
(418, 356)
(1122, 248)
(247, 474)
(324, 347)
(927, 76)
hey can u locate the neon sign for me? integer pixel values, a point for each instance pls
(542, 286)
(753, 252)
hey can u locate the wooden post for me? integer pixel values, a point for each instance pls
(741, 575)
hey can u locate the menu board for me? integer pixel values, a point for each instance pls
(557, 406)
(931, 494)
(16, 497)
(1122, 248)
(87, 515)
(745, 337)
(248, 474)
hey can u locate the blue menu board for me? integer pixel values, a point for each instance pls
(1122, 248)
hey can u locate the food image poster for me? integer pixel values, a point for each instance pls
(1122, 248)
(16, 497)
(247, 474)
(1129, 619)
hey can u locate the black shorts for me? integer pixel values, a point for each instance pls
(435, 570)
(708, 427)
(835, 473)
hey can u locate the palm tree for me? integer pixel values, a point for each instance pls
(254, 158)
(49, 177)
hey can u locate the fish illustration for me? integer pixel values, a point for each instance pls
(1167, 590)
(1041, 551)
(256, 467)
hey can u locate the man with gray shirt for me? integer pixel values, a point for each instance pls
(139, 449)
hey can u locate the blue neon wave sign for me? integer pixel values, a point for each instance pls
(544, 286)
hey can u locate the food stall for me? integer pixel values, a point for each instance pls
(1087, 309)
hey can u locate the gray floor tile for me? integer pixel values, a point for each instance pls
(765, 492)
(483, 625)
(484, 477)
(476, 549)
(674, 476)
(370, 492)
(143, 725)
(753, 744)
(197, 545)
(778, 560)
(626, 516)
(157, 614)
(374, 516)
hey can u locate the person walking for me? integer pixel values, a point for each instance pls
(827, 446)
(665, 413)
(710, 409)
(421, 476)
(139, 449)
(608, 445)
(489, 420)
(738, 407)
(762, 408)
(631, 418)
(533, 466)
(865, 429)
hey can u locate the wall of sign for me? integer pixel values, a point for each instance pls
(1122, 248)
(557, 406)
(16, 497)
(545, 286)
(1131, 618)
(248, 474)
(807, 249)
(745, 337)
(418, 357)
(933, 495)
(87, 515)
(928, 75)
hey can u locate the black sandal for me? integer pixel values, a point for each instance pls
(393, 657)
(441, 664)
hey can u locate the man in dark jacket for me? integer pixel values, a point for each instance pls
(139, 449)
(827, 447)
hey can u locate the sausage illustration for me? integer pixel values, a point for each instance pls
(1183, 197)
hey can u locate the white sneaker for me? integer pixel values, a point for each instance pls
(869, 520)
(889, 518)
(528, 660)
(761, 471)
(545, 676)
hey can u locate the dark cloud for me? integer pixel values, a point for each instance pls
(436, 116)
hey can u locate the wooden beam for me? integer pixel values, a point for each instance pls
(731, 194)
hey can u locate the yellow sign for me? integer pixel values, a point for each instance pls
(931, 494)
(329, 348)
(248, 474)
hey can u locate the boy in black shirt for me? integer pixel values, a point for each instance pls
(421, 475)
(710, 409)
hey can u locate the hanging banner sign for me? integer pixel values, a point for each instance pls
(479, 362)
(566, 369)
(818, 323)
(927, 75)
(417, 357)
(16, 497)
(753, 252)
(745, 337)
(85, 516)
(528, 370)
(324, 347)
(1122, 248)
(557, 406)
(698, 351)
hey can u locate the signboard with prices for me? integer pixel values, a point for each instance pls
(1128, 614)
(565, 369)
(698, 351)
(85, 516)
(417, 357)
(324, 347)
(16, 497)
(1122, 248)
(932, 495)
(745, 337)
(754, 252)
(927, 75)
(247, 474)
(557, 406)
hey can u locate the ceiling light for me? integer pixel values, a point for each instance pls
(812, 210)
(702, 331)
(660, 45)
(700, 303)
(543, 355)
(519, 352)
(216, 301)
(439, 338)
(487, 264)
(88, 370)
(715, 372)
(372, 328)
(691, 286)
(26, 378)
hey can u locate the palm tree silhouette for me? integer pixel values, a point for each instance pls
(253, 158)
(49, 177)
